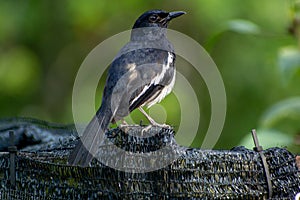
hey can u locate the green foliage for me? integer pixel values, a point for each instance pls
(86, 13)
(43, 43)
(243, 26)
(240, 26)
(289, 62)
(283, 116)
(279, 125)
(268, 138)
(18, 61)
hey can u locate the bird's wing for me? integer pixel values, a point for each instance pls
(136, 78)
(155, 89)
(144, 94)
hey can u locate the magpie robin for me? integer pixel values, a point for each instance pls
(142, 74)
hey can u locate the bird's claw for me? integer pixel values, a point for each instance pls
(147, 128)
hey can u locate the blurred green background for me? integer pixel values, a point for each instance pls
(255, 45)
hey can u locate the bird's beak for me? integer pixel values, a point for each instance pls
(175, 14)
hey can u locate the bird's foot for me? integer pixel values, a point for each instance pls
(148, 127)
(166, 126)
(123, 126)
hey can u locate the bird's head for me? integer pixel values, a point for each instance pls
(156, 18)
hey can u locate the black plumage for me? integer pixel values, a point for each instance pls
(142, 74)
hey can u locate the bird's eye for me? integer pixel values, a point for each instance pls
(153, 18)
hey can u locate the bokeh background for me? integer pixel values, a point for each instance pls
(255, 45)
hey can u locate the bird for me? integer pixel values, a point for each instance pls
(141, 74)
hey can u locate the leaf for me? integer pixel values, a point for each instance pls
(288, 62)
(243, 26)
(240, 26)
(268, 138)
(288, 109)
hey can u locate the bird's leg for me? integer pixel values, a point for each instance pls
(123, 126)
(148, 117)
(124, 123)
(153, 123)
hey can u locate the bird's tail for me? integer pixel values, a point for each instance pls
(89, 142)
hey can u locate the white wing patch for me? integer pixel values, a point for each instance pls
(157, 79)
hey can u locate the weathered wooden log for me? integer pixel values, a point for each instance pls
(42, 172)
